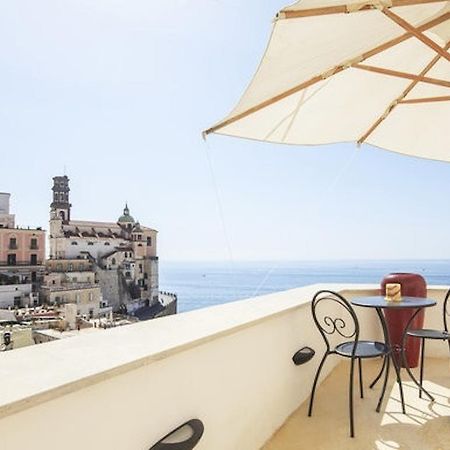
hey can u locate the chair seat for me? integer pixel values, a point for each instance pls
(430, 334)
(364, 349)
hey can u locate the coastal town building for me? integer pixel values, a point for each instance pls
(74, 281)
(17, 295)
(122, 256)
(22, 255)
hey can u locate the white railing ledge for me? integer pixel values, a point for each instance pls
(33, 375)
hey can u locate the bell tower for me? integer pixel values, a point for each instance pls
(60, 206)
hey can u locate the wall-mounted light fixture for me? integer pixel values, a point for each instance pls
(185, 437)
(304, 355)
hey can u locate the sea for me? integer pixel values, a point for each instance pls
(199, 285)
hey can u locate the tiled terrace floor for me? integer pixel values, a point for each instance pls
(426, 426)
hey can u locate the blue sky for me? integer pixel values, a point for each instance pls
(118, 91)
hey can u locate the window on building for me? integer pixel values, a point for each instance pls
(33, 259)
(70, 268)
(59, 267)
(17, 301)
(12, 243)
(149, 241)
(140, 268)
(107, 243)
(91, 296)
(81, 266)
(145, 275)
(74, 243)
(33, 244)
(113, 261)
(11, 259)
(90, 243)
(33, 277)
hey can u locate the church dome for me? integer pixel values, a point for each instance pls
(125, 217)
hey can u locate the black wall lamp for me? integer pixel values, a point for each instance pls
(304, 355)
(185, 437)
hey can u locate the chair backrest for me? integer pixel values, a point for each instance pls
(334, 315)
(446, 311)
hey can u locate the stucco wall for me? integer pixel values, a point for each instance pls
(23, 239)
(11, 291)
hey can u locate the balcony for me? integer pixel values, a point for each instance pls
(21, 264)
(229, 366)
(424, 427)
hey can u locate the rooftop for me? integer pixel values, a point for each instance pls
(142, 381)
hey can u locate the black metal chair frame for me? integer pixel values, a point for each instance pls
(329, 326)
(423, 335)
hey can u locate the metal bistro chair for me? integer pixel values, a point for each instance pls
(425, 333)
(347, 329)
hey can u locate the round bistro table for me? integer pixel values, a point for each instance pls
(379, 303)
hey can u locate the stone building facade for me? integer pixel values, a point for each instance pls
(69, 281)
(123, 254)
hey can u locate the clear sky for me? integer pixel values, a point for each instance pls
(118, 91)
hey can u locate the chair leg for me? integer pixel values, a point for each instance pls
(316, 378)
(422, 353)
(375, 381)
(361, 388)
(350, 398)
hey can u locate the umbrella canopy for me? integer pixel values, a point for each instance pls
(375, 72)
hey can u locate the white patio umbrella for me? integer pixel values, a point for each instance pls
(375, 72)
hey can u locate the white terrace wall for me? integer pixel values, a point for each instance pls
(229, 366)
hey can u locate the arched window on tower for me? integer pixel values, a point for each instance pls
(62, 215)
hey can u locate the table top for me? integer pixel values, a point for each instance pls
(380, 302)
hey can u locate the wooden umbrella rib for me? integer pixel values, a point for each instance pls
(344, 8)
(416, 33)
(400, 98)
(398, 74)
(378, 49)
(442, 98)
